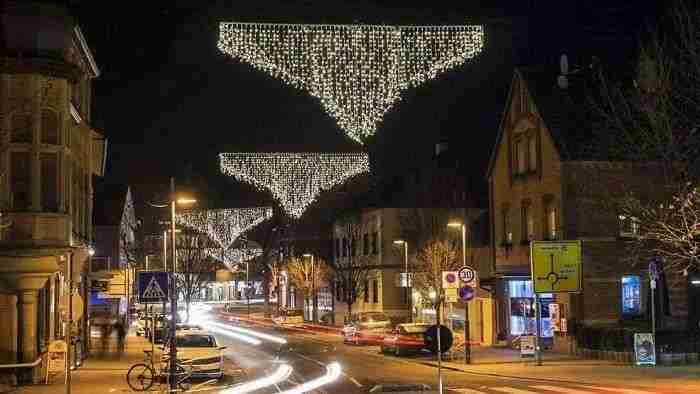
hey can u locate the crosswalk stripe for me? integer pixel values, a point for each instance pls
(620, 390)
(563, 390)
(512, 390)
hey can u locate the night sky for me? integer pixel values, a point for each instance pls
(169, 101)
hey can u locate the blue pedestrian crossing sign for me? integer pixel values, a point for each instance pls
(153, 287)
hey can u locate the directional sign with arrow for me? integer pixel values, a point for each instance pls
(556, 266)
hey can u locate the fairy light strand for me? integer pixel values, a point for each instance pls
(357, 71)
(224, 226)
(294, 179)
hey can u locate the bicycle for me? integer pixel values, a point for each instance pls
(141, 376)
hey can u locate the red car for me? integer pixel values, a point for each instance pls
(405, 338)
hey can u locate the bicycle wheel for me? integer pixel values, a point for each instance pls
(183, 377)
(140, 377)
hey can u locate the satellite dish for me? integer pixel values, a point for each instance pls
(564, 64)
(563, 81)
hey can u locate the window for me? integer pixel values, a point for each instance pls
(345, 247)
(366, 291)
(375, 242)
(550, 218)
(528, 222)
(19, 162)
(631, 295)
(629, 226)
(354, 246)
(375, 291)
(49, 127)
(365, 244)
(337, 247)
(337, 291)
(22, 129)
(520, 156)
(532, 153)
(507, 234)
(49, 182)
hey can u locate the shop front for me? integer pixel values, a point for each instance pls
(517, 312)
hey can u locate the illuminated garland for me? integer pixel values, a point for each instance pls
(234, 256)
(294, 179)
(224, 225)
(357, 71)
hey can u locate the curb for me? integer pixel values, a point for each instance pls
(503, 376)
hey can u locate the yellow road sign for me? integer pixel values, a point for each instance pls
(556, 266)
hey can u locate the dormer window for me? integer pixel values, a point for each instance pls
(525, 152)
(629, 226)
(532, 153)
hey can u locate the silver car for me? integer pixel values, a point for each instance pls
(366, 328)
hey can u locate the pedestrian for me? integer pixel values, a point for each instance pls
(121, 334)
(105, 332)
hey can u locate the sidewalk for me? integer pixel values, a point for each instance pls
(559, 367)
(101, 373)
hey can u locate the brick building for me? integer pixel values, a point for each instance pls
(543, 185)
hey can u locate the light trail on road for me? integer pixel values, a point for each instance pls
(281, 374)
(333, 371)
(235, 335)
(252, 333)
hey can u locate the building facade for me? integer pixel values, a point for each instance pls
(542, 186)
(114, 227)
(49, 154)
(370, 237)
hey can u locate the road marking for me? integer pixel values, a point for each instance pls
(564, 390)
(620, 390)
(511, 390)
(466, 391)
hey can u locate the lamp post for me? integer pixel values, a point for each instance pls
(173, 295)
(406, 286)
(467, 340)
(314, 298)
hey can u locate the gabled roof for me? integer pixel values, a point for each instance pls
(564, 111)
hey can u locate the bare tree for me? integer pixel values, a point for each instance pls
(195, 268)
(436, 256)
(269, 234)
(351, 268)
(656, 120)
(308, 275)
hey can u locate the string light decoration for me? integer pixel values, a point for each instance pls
(294, 179)
(231, 257)
(357, 71)
(224, 226)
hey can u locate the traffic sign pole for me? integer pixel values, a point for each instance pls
(538, 343)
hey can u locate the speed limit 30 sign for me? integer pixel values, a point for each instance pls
(467, 275)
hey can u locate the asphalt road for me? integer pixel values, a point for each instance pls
(364, 368)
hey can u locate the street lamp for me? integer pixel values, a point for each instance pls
(314, 298)
(406, 292)
(467, 341)
(173, 296)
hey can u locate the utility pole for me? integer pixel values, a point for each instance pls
(69, 324)
(173, 296)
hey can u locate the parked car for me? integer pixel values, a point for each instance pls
(405, 338)
(366, 328)
(188, 327)
(289, 318)
(199, 349)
